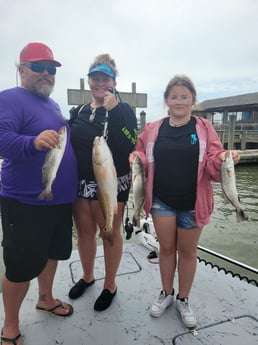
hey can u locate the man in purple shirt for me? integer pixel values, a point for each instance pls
(36, 233)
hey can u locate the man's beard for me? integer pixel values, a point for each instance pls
(42, 91)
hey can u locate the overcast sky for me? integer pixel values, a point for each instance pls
(214, 42)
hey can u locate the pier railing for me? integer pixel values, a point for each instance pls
(242, 140)
(236, 135)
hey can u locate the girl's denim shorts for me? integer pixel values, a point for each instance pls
(184, 219)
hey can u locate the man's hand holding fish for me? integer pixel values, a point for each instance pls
(47, 139)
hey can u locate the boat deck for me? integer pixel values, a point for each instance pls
(226, 308)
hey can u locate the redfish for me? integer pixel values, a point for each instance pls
(106, 178)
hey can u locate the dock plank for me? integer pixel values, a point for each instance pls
(248, 156)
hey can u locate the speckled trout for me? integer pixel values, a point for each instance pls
(52, 162)
(106, 178)
(138, 183)
(228, 184)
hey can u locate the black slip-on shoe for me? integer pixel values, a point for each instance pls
(104, 300)
(78, 289)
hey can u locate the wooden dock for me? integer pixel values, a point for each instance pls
(248, 156)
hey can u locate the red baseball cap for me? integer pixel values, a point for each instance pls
(36, 51)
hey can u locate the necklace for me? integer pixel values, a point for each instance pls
(179, 124)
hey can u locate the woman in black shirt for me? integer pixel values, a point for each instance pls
(87, 122)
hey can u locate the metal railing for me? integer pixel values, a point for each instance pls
(237, 264)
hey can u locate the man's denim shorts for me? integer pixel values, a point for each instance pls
(185, 219)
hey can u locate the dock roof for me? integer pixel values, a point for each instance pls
(245, 101)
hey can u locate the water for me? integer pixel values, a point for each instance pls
(224, 235)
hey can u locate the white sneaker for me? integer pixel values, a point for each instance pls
(161, 304)
(186, 312)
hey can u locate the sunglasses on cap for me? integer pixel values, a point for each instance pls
(39, 67)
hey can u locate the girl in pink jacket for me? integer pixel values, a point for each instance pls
(182, 154)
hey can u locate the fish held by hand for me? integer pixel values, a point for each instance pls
(228, 184)
(138, 183)
(106, 178)
(51, 165)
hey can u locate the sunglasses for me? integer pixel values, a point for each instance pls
(38, 67)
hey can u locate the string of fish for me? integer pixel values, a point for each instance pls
(105, 129)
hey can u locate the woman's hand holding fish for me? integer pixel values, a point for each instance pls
(235, 156)
(47, 139)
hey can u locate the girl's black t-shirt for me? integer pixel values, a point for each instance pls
(176, 153)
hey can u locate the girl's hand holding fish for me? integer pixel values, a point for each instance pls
(47, 139)
(132, 156)
(235, 156)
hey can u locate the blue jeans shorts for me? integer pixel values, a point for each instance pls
(184, 219)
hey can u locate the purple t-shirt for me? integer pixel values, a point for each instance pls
(23, 116)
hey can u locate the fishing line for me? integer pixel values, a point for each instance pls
(116, 93)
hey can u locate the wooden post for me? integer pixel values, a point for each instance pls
(142, 120)
(231, 131)
(225, 116)
(83, 98)
(243, 136)
(223, 138)
(81, 84)
(134, 93)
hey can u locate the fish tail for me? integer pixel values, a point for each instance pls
(107, 236)
(136, 221)
(46, 194)
(240, 215)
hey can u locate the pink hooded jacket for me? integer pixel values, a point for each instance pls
(209, 165)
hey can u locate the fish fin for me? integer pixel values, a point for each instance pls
(229, 172)
(104, 173)
(107, 236)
